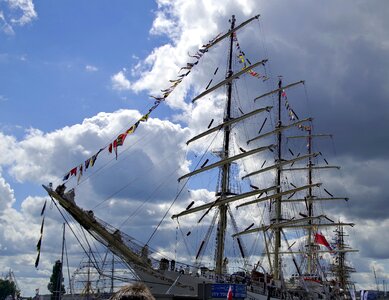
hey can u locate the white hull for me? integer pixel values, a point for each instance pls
(186, 285)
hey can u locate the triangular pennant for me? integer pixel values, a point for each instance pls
(43, 222)
(80, 169)
(37, 260)
(132, 128)
(93, 160)
(38, 245)
(43, 208)
(145, 117)
(66, 177)
(87, 162)
(120, 139)
(73, 171)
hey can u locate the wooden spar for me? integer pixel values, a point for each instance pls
(314, 199)
(306, 136)
(229, 122)
(231, 31)
(283, 163)
(288, 224)
(312, 168)
(226, 161)
(219, 201)
(229, 79)
(279, 194)
(318, 251)
(277, 130)
(279, 89)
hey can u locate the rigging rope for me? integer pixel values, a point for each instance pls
(67, 264)
(179, 193)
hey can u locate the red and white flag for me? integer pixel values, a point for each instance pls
(321, 239)
(229, 294)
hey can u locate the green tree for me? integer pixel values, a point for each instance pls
(56, 286)
(7, 288)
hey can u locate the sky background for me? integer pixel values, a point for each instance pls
(74, 74)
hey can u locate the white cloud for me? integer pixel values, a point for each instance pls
(90, 68)
(27, 11)
(188, 24)
(155, 151)
(20, 13)
(7, 145)
(7, 197)
(120, 82)
(4, 26)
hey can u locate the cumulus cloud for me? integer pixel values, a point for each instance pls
(7, 197)
(19, 13)
(19, 233)
(188, 25)
(120, 82)
(155, 151)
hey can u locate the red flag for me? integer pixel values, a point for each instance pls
(120, 139)
(115, 147)
(320, 239)
(229, 294)
(73, 171)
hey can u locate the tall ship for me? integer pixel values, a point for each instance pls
(263, 158)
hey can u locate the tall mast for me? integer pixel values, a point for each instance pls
(60, 279)
(225, 176)
(340, 269)
(310, 204)
(277, 230)
(112, 273)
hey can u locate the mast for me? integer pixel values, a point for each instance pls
(60, 279)
(309, 204)
(112, 273)
(277, 230)
(225, 170)
(340, 269)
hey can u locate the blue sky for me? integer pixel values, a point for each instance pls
(56, 72)
(75, 73)
(45, 63)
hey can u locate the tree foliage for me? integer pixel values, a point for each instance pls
(56, 286)
(7, 288)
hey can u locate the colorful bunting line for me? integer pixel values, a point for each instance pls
(39, 244)
(119, 141)
(175, 82)
(242, 60)
(292, 115)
